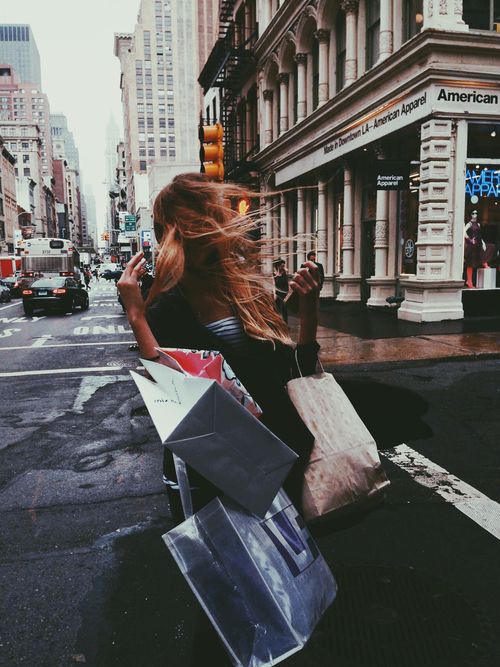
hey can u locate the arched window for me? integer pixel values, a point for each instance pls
(315, 72)
(295, 93)
(372, 32)
(341, 52)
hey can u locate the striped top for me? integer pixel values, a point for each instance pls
(230, 330)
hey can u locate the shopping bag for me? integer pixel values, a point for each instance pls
(344, 467)
(209, 364)
(208, 429)
(262, 582)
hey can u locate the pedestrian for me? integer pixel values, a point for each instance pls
(87, 276)
(96, 274)
(209, 294)
(281, 287)
(311, 257)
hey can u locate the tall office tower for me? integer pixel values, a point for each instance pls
(24, 101)
(207, 12)
(112, 139)
(91, 215)
(19, 50)
(63, 143)
(159, 65)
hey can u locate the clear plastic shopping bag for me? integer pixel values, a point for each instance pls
(262, 582)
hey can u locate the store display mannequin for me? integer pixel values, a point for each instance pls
(475, 248)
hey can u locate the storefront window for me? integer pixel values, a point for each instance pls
(482, 206)
(408, 223)
(482, 14)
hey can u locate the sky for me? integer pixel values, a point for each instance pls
(80, 73)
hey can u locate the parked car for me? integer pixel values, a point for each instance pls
(55, 293)
(4, 292)
(12, 283)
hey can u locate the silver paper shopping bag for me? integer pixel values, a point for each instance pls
(206, 427)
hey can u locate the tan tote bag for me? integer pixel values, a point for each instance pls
(344, 468)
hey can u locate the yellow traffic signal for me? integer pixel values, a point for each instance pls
(212, 151)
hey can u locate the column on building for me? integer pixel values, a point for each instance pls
(301, 60)
(350, 8)
(322, 221)
(283, 225)
(268, 116)
(443, 15)
(386, 37)
(283, 79)
(381, 285)
(349, 283)
(435, 292)
(323, 37)
(301, 224)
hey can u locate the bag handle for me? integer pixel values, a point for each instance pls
(318, 361)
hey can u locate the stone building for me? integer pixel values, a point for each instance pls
(374, 124)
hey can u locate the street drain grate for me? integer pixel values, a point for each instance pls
(390, 617)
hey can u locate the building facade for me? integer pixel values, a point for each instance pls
(25, 101)
(19, 49)
(373, 125)
(23, 139)
(8, 201)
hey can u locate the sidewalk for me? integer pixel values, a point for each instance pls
(351, 333)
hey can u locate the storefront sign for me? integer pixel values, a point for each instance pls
(482, 182)
(391, 175)
(392, 116)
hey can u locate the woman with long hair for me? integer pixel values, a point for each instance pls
(209, 293)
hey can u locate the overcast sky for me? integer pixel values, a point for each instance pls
(80, 73)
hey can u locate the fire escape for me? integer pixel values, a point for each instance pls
(228, 66)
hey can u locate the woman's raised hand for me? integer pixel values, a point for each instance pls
(129, 288)
(306, 282)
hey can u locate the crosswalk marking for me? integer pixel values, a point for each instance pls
(471, 502)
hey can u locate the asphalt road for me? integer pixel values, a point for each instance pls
(86, 579)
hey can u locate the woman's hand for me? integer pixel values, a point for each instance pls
(129, 288)
(306, 284)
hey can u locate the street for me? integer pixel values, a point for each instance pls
(86, 579)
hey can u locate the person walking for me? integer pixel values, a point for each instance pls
(209, 294)
(96, 274)
(311, 257)
(281, 287)
(87, 277)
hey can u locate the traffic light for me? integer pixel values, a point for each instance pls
(243, 205)
(212, 151)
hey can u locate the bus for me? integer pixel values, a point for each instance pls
(42, 257)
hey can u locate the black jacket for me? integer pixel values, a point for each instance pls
(263, 369)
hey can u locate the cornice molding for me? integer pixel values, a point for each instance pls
(349, 102)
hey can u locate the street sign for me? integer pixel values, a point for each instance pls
(130, 218)
(391, 174)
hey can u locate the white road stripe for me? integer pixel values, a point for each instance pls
(39, 342)
(55, 371)
(9, 306)
(466, 498)
(94, 344)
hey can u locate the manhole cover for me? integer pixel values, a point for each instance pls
(387, 617)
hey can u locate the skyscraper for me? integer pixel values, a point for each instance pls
(63, 143)
(19, 50)
(160, 95)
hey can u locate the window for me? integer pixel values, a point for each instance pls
(26, 158)
(27, 171)
(171, 152)
(413, 17)
(482, 14)
(372, 32)
(151, 152)
(142, 165)
(341, 51)
(315, 73)
(25, 145)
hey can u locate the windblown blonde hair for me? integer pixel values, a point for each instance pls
(194, 210)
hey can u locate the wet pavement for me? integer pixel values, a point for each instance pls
(351, 334)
